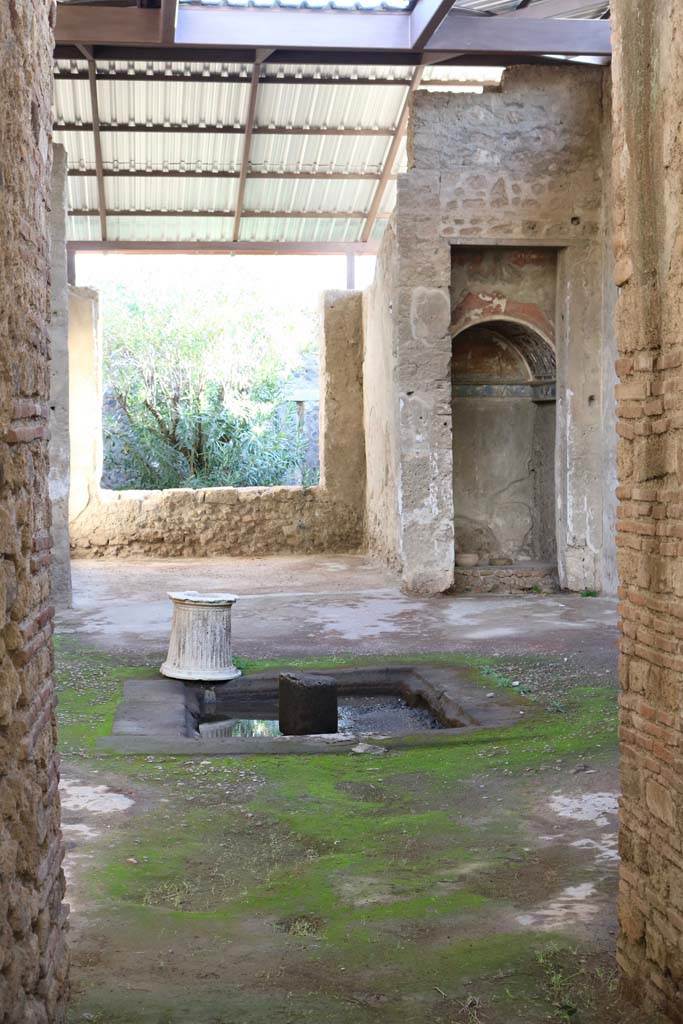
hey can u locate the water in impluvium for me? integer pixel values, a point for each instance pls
(378, 715)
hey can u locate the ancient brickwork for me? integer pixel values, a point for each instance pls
(32, 951)
(648, 166)
(227, 520)
(495, 579)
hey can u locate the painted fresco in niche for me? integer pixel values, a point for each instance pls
(503, 390)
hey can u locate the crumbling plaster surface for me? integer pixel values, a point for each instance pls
(523, 165)
(59, 382)
(33, 955)
(85, 408)
(648, 234)
(610, 576)
(380, 411)
(503, 446)
(224, 520)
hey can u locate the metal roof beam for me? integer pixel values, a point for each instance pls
(97, 143)
(127, 26)
(244, 214)
(237, 79)
(425, 18)
(214, 129)
(202, 55)
(221, 248)
(246, 150)
(167, 22)
(76, 172)
(307, 33)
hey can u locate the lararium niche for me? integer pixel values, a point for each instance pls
(503, 403)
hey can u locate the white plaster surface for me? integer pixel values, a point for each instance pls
(95, 799)
(593, 807)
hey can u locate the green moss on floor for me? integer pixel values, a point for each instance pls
(89, 689)
(340, 888)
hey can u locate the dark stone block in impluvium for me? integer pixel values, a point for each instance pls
(307, 704)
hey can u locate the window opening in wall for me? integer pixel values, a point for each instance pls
(210, 368)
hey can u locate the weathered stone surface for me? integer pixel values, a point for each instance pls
(648, 173)
(200, 646)
(502, 579)
(519, 167)
(307, 704)
(59, 382)
(503, 326)
(224, 520)
(32, 918)
(85, 407)
(380, 406)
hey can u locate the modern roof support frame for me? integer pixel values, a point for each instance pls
(296, 36)
(431, 33)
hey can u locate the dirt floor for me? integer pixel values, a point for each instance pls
(469, 881)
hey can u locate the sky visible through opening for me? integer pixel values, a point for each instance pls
(284, 275)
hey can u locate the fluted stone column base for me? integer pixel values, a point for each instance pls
(199, 647)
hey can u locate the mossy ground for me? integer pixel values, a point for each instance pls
(338, 888)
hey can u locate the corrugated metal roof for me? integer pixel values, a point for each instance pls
(125, 100)
(584, 8)
(581, 8)
(151, 98)
(368, 6)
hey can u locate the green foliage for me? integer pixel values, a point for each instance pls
(194, 387)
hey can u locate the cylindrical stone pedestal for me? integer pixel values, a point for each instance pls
(199, 647)
(308, 704)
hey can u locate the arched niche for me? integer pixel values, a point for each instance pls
(503, 397)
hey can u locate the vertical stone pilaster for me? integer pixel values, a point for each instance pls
(59, 382)
(423, 382)
(342, 443)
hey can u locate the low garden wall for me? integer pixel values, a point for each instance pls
(223, 520)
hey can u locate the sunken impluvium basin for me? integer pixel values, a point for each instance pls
(426, 703)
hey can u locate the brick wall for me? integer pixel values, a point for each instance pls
(648, 237)
(32, 952)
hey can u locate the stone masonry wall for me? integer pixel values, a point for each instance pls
(522, 166)
(228, 520)
(648, 238)
(33, 958)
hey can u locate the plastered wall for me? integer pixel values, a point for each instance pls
(520, 167)
(504, 441)
(59, 383)
(223, 520)
(380, 406)
(33, 957)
